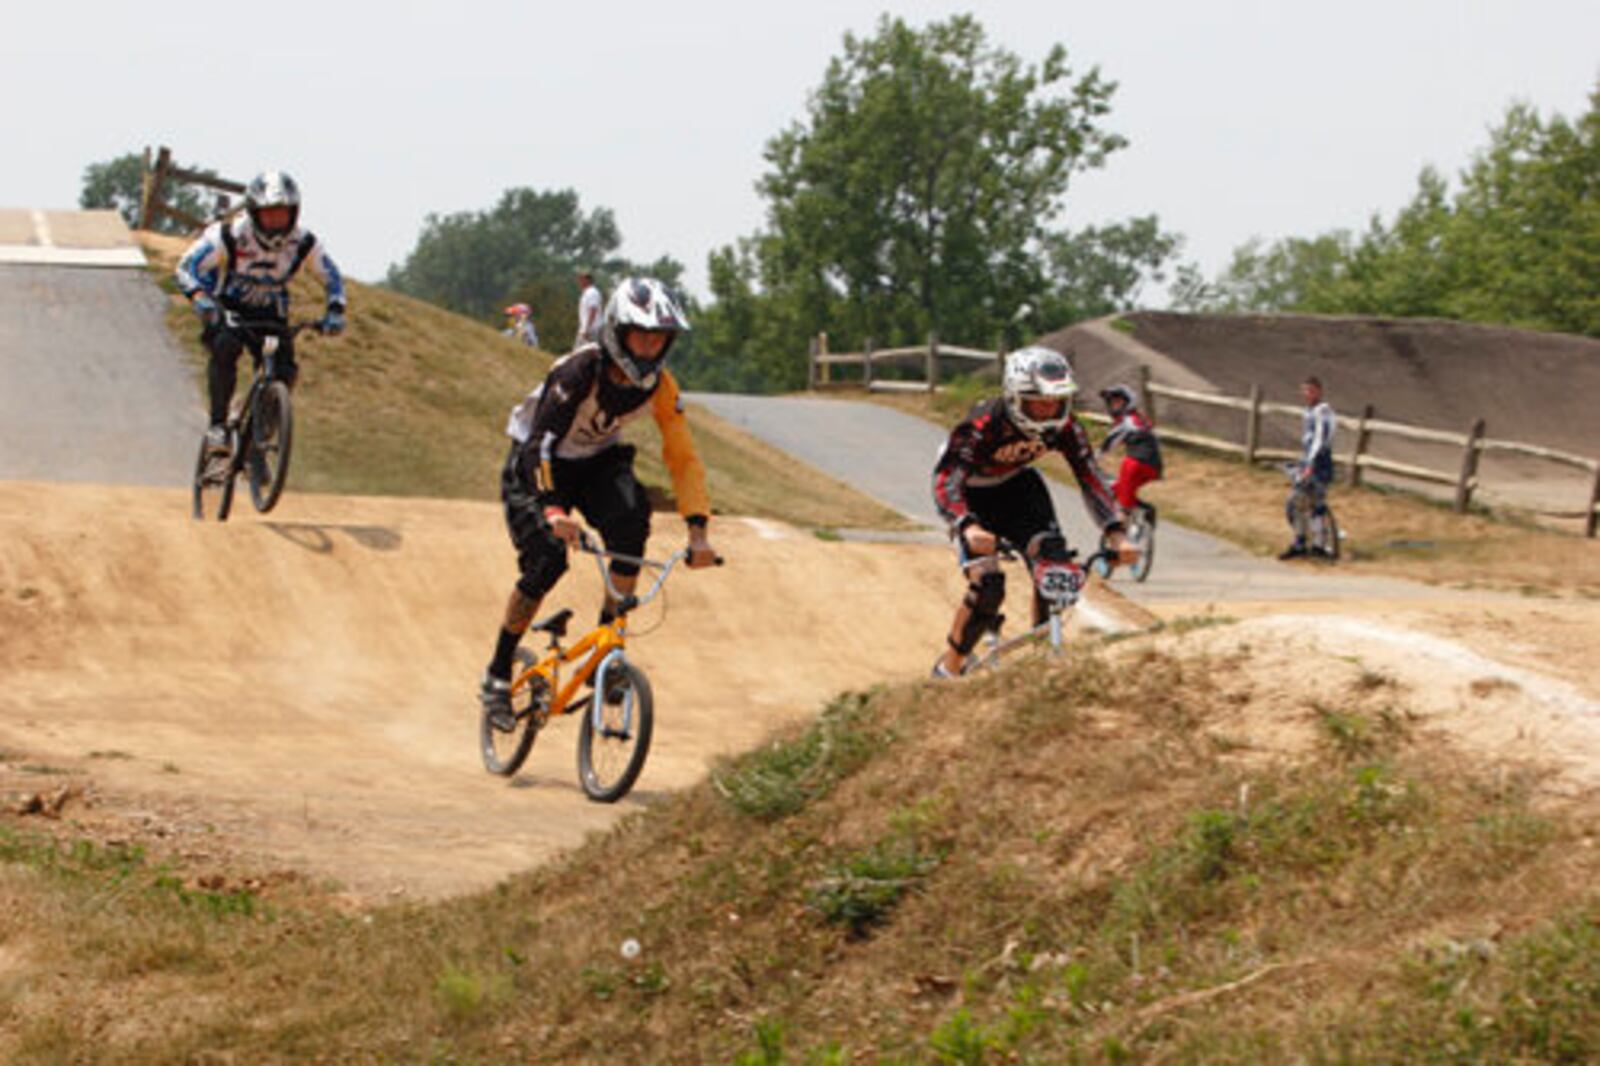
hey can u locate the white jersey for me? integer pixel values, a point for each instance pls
(245, 276)
(589, 312)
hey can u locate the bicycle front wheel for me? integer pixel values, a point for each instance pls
(213, 483)
(505, 750)
(614, 738)
(271, 435)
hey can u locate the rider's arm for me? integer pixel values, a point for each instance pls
(327, 272)
(950, 473)
(677, 449)
(1073, 443)
(1120, 428)
(203, 264)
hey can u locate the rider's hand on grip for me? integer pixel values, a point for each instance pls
(206, 308)
(333, 323)
(565, 528)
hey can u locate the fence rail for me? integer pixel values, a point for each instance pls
(1473, 444)
(820, 363)
(158, 177)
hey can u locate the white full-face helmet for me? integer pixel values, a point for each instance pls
(643, 305)
(1038, 387)
(272, 189)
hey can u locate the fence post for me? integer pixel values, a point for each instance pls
(144, 189)
(1469, 467)
(1147, 400)
(1252, 429)
(822, 349)
(150, 210)
(1593, 521)
(811, 364)
(866, 364)
(1363, 435)
(933, 360)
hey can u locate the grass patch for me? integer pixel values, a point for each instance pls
(779, 779)
(412, 401)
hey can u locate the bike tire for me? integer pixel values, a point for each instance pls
(1145, 538)
(599, 754)
(505, 751)
(198, 504)
(1329, 541)
(272, 437)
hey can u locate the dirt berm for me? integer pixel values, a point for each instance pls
(303, 688)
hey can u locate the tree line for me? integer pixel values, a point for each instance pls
(1515, 242)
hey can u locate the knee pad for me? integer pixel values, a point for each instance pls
(983, 600)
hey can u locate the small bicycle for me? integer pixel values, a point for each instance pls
(614, 733)
(260, 430)
(1319, 533)
(1140, 531)
(1057, 582)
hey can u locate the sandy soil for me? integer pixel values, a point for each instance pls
(295, 696)
(300, 692)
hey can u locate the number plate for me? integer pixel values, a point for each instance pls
(1058, 582)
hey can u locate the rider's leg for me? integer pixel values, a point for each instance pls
(979, 610)
(616, 505)
(222, 370)
(541, 560)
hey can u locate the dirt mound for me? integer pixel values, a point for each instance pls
(304, 686)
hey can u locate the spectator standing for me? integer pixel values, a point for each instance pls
(519, 325)
(1314, 472)
(589, 304)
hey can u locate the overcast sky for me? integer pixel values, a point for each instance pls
(1246, 118)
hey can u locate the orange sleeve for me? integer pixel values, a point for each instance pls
(677, 448)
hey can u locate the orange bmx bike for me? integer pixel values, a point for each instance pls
(616, 718)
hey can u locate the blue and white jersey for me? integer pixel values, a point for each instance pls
(1316, 440)
(251, 279)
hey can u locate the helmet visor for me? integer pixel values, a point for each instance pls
(275, 218)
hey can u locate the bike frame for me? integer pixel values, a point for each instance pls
(1054, 625)
(596, 646)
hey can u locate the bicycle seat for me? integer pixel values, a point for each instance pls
(555, 625)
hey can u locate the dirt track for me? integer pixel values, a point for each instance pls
(298, 693)
(306, 685)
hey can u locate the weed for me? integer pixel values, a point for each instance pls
(862, 892)
(769, 1036)
(463, 995)
(1349, 733)
(958, 1040)
(780, 779)
(827, 534)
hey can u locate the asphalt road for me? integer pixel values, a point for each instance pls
(92, 387)
(890, 455)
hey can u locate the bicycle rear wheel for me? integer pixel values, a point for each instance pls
(611, 752)
(1143, 534)
(213, 483)
(271, 435)
(1325, 535)
(505, 750)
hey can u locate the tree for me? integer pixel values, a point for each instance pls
(1102, 269)
(918, 191)
(476, 262)
(1518, 243)
(119, 183)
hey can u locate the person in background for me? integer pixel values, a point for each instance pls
(589, 304)
(519, 325)
(1314, 472)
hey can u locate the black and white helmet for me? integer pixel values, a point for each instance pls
(1119, 392)
(642, 304)
(1038, 387)
(272, 188)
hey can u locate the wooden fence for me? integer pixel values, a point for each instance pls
(1473, 444)
(159, 177)
(820, 363)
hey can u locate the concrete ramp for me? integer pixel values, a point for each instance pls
(67, 238)
(92, 386)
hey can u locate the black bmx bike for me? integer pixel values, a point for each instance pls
(260, 429)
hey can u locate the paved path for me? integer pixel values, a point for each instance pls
(889, 455)
(92, 386)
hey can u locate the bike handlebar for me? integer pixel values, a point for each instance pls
(234, 321)
(626, 603)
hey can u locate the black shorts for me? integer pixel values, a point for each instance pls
(602, 488)
(1018, 509)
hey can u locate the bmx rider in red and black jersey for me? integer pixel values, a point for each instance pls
(986, 489)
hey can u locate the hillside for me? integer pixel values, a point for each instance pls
(413, 400)
(1185, 846)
